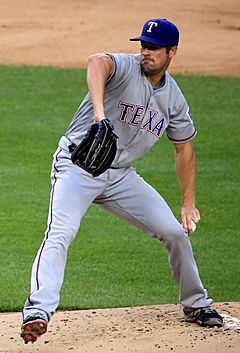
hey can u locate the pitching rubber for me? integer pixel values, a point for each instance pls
(32, 330)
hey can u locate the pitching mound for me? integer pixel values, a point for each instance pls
(126, 330)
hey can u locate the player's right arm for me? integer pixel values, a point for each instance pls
(100, 68)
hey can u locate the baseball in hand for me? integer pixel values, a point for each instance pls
(193, 226)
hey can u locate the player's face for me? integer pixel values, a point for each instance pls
(155, 59)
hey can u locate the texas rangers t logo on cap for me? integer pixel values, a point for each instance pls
(159, 31)
(150, 24)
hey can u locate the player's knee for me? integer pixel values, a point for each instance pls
(179, 235)
(69, 235)
(63, 236)
(173, 233)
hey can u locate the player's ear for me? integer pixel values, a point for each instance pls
(173, 52)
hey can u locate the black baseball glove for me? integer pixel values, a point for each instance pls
(97, 150)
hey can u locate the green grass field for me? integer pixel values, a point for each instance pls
(111, 263)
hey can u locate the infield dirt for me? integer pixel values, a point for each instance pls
(149, 329)
(63, 33)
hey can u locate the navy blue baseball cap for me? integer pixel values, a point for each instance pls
(160, 32)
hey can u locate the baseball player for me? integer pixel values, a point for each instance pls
(142, 101)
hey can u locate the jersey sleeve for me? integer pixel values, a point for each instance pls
(124, 65)
(181, 128)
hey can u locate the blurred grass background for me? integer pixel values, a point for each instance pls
(111, 263)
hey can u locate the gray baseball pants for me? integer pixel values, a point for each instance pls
(125, 194)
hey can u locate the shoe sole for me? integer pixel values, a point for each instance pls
(209, 323)
(32, 330)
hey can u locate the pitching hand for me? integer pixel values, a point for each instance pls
(189, 214)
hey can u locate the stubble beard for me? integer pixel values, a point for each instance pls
(150, 70)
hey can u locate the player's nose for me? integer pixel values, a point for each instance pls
(145, 51)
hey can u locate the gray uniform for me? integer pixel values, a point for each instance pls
(140, 115)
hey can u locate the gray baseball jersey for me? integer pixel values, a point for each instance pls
(140, 114)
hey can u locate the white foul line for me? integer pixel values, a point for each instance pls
(231, 322)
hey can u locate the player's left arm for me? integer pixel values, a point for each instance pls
(186, 172)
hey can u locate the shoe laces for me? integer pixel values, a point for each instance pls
(207, 310)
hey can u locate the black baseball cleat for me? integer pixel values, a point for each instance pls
(207, 317)
(33, 327)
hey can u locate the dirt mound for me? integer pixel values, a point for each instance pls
(126, 330)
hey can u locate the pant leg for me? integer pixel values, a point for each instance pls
(73, 190)
(134, 200)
